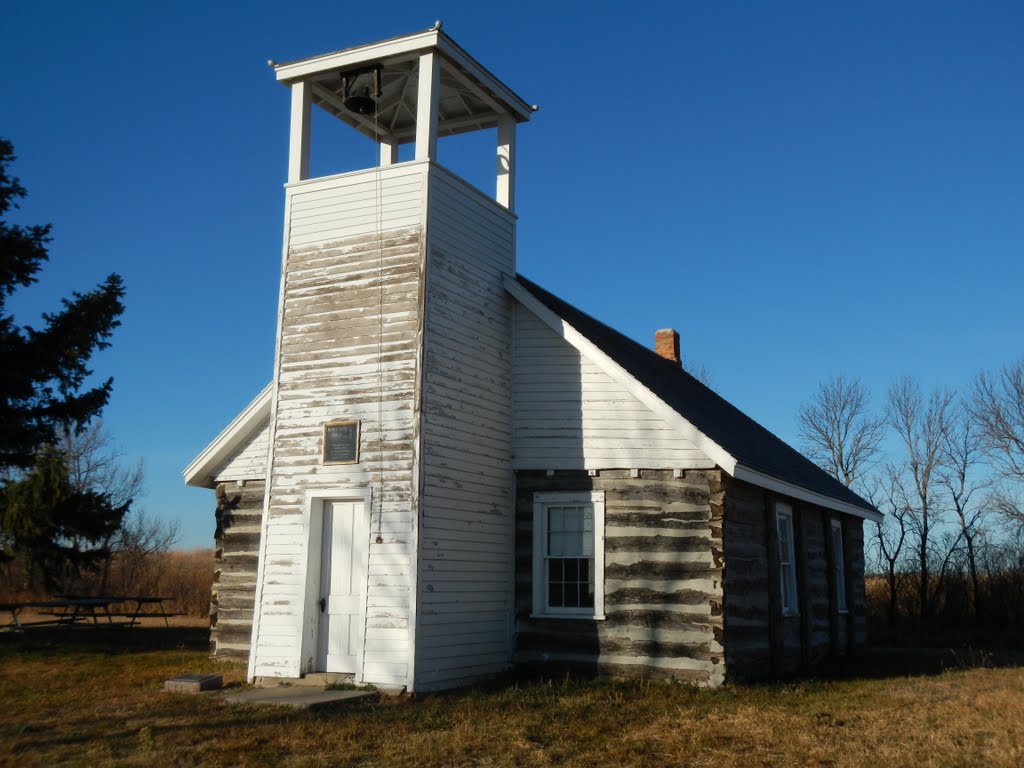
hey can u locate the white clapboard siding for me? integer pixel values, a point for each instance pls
(347, 349)
(465, 568)
(249, 461)
(570, 414)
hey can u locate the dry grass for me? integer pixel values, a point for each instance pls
(93, 705)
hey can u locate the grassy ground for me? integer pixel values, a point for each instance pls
(85, 698)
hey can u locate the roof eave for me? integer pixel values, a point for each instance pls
(770, 483)
(199, 473)
(405, 47)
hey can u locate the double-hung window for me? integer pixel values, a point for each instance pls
(568, 554)
(787, 558)
(838, 566)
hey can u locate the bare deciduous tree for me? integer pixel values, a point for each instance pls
(961, 455)
(891, 533)
(139, 540)
(922, 426)
(697, 370)
(838, 431)
(997, 406)
(96, 463)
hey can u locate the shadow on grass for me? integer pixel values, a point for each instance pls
(87, 731)
(873, 662)
(879, 662)
(100, 639)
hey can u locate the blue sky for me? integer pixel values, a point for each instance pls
(802, 189)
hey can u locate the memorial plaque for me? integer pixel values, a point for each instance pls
(341, 442)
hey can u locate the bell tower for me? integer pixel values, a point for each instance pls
(391, 416)
(406, 90)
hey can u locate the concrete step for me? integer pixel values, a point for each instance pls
(300, 697)
(311, 680)
(325, 679)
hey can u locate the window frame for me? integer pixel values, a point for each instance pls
(542, 503)
(838, 566)
(786, 560)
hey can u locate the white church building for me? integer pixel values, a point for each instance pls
(453, 472)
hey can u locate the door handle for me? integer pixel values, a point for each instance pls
(323, 604)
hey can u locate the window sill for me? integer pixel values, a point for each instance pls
(583, 616)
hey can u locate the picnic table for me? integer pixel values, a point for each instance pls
(97, 611)
(15, 610)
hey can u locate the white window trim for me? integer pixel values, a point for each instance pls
(784, 515)
(541, 502)
(839, 568)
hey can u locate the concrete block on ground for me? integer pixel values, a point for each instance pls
(193, 683)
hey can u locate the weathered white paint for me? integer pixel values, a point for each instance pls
(571, 414)
(465, 573)
(347, 348)
(249, 461)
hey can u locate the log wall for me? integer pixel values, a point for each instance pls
(760, 642)
(239, 509)
(662, 577)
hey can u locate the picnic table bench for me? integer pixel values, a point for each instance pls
(97, 611)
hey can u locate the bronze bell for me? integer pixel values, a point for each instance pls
(360, 91)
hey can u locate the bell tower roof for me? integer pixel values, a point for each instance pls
(470, 98)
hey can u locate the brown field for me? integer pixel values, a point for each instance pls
(91, 697)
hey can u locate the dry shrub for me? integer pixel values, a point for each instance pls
(186, 576)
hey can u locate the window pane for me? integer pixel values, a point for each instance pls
(572, 595)
(572, 519)
(570, 583)
(555, 598)
(572, 570)
(555, 570)
(839, 567)
(570, 531)
(556, 519)
(784, 537)
(788, 598)
(557, 544)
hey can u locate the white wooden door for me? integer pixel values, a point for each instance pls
(342, 585)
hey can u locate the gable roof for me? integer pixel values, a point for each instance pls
(200, 472)
(743, 448)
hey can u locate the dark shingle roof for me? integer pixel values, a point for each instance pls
(753, 446)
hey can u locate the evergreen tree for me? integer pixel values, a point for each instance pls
(44, 396)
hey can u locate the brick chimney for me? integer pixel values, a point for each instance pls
(666, 344)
